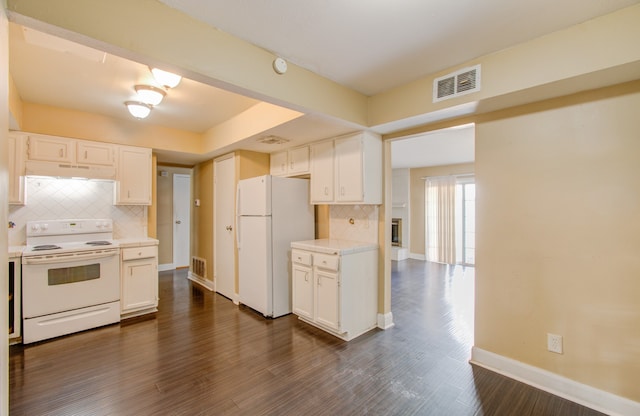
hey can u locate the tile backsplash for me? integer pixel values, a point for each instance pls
(51, 198)
(354, 222)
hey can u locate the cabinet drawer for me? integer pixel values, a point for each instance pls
(139, 252)
(301, 257)
(326, 261)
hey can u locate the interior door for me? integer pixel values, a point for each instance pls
(224, 196)
(181, 220)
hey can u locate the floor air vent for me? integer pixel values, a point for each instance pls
(199, 267)
(461, 82)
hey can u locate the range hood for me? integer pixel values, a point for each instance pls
(65, 170)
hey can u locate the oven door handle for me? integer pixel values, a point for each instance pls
(66, 257)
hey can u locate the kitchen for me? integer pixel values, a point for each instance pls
(63, 130)
(41, 161)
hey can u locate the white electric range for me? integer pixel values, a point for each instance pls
(70, 277)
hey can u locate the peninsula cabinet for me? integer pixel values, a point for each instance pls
(347, 170)
(334, 286)
(133, 177)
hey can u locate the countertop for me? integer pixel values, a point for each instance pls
(16, 251)
(334, 246)
(137, 242)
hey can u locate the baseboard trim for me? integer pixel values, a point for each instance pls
(207, 284)
(583, 394)
(385, 320)
(165, 267)
(417, 256)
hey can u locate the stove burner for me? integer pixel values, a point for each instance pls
(45, 247)
(99, 243)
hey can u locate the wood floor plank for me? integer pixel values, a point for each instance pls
(203, 355)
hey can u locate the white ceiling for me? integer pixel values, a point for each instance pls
(441, 147)
(368, 45)
(374, 45)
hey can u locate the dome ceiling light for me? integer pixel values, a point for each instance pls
(166, 79)
(138, 109)
(149, 94)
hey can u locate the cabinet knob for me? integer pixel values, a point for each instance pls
(178, 222)
(228, 228)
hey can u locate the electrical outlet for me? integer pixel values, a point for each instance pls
(554, 343)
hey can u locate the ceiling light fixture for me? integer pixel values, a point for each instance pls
(166, 79)
(150, 95)
(138, 109)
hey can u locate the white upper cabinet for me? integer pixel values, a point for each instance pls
(133, 182)
(347, 170)
(51, 149)
(95, 153)
(16, 153)
(290, 162)
(322, 172)
(278, 163)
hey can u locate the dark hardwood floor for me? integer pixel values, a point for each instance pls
(202, 355)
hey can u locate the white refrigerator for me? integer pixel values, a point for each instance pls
(272, 212)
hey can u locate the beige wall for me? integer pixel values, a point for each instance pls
(558, 234)
(203, 215)
(164, 202)
(416, 205)
(89, 126)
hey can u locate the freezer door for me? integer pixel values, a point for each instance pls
(255, 264)
(254, 196)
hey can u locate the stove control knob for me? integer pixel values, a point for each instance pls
(35, 227)
(45, 227)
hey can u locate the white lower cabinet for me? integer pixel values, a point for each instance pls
(336, 292)
(139, 280)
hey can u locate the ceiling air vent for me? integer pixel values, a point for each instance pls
(273, 140)
(461, 82)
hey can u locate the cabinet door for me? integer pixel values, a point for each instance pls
(327, 299)
(52, 149)
(133, 186)
(93, 153)
(298, 161)
(321, 187)
(302, 291)
(278, 163)
(349, 169)
(16, 170)
(139, 284)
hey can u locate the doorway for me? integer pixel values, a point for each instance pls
(447, 152)
(172, 196)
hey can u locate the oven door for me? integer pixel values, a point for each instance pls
(64, 282)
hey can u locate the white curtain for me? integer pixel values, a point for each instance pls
(440, 194)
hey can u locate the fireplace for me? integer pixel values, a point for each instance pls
(396, 232)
